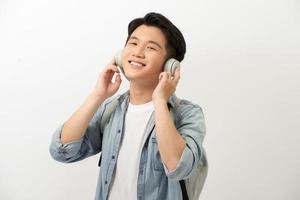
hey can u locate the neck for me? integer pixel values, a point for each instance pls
(139, 93)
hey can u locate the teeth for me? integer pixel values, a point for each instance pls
(136, 64)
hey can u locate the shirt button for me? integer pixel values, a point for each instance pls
(113, 157)
(105, 182)
(119, 131)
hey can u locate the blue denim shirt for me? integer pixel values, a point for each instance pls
(154, 180)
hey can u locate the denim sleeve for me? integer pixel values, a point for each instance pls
(90, 144)
(192, 129)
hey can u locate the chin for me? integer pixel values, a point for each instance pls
(133, 74)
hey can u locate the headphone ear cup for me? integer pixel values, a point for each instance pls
(119, 63)
(171, 65)
(119, 58)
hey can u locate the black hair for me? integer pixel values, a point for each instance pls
(176, 46)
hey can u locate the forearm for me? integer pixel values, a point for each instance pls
(170, 142)
(75, 127)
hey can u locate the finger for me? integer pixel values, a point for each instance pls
(165, 75)
(116, 84)
(118, 79)
(160, 76)
(169, 75)
(109, 72)
(112, 69)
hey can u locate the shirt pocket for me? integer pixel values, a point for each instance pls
(156, 159)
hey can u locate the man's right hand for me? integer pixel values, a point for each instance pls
(105, 87)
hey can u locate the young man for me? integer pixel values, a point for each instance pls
(147, 151)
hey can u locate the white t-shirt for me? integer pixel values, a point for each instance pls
(124, 185)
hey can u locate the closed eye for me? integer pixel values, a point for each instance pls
(151, 48)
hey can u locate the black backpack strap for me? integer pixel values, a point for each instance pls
(183, 189)
(182, 184)
(100, 159)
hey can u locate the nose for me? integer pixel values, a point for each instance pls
(139, 52)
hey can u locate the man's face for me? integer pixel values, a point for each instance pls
(144, 54)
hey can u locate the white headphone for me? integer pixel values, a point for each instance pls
(170, 65)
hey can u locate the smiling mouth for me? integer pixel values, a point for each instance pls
(137, 64)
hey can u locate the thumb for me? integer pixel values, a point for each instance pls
(118, 80)
(164, 76)
(161, 75)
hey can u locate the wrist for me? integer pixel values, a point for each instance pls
(159, 101)
(99, 96)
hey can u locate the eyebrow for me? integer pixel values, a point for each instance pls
(150, 41)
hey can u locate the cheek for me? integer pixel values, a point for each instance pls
(126, 51)
(158, 63)
(125, 55)
(156, 67)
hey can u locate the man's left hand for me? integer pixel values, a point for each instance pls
(166, 86)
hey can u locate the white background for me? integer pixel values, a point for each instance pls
(242, 67)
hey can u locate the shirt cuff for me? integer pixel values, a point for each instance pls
(63, 152)
(183, 167)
